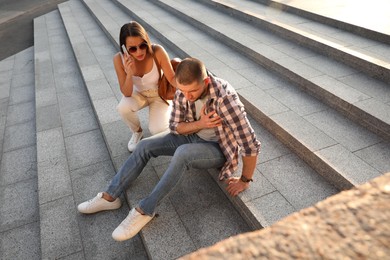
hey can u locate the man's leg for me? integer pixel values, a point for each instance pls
(161, 144)
(203, 155)
(154, 146)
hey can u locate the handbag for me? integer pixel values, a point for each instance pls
(165, 90)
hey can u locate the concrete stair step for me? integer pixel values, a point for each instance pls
(181, 221)
(19, 213)
(363, 54)
(328, 80)
(306, 139)
(253, 204)
(73, 161)
(327, 14)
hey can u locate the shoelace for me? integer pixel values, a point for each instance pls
(126, 222)
(91, 202)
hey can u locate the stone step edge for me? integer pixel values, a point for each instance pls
(364, 32)
(51, 157)
(373, 122)
(372, 66)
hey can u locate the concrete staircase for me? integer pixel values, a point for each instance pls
(318, 98)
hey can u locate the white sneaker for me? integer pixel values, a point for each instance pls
(98, 204)
(135, 138)
(131, 225)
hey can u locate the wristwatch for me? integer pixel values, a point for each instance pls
(245, 179)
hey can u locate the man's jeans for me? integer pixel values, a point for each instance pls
(187, 151)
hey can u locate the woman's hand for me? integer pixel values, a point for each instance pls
(235, 186)
(129, 65)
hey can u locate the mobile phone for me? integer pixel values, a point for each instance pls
(125, 50)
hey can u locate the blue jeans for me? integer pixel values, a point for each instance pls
(186, 151)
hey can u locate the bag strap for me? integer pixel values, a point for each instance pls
(159, 71)
(157, 64)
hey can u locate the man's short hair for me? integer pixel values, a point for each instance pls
(190, 70)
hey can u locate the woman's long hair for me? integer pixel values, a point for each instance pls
(134, 29)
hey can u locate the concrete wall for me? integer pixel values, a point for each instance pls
(354, 224)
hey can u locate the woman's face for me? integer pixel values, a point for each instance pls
(136, 47)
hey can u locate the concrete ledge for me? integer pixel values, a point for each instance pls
(351, 225)
(337, 23)
(346, 52)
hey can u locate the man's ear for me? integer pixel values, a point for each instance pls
(207, 81)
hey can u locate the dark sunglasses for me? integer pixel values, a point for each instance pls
(142, 46)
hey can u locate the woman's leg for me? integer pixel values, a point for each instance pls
(159, 113)
(204, 155)
(128, 107)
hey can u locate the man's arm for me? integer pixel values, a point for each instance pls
(209, 120)
(235, 184)
(235, 117)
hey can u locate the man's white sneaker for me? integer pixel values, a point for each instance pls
(131, 225)
(135, 138)
(98, 204)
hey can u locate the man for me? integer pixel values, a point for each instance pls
(208, 127)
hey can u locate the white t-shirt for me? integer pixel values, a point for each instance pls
(207, 134)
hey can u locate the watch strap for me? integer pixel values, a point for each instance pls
(245, 179)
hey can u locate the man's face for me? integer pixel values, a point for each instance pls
(195, 90)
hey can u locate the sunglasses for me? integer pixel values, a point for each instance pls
(142, 46)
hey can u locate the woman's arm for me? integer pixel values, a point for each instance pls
(123, 74)
(165, 64)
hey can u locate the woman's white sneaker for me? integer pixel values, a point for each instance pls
(131, 225)
(98, 204)
(134, 140)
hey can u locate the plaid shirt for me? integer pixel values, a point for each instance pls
(235, 133)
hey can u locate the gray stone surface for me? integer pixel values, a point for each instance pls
(20, 113)
(21, 243)
(347, 133)
(298, 101)
(19, 136)
(270, 208)
(63, 154)
(19, 212)
(363, 83)
(85, 149)
(117, 136)
(263, 101)
(299, 184)
(377, 156)
(48, 117)
(354, 169)
(54, 181)
(79, 121)
(18, 165)
(60, 234)
(20, 204)
(312, 137)
(50, 145)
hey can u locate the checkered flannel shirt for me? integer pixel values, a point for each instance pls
(235, 134)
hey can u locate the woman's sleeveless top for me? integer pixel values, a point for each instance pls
(148, 81)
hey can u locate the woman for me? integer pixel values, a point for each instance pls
(138, 77)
